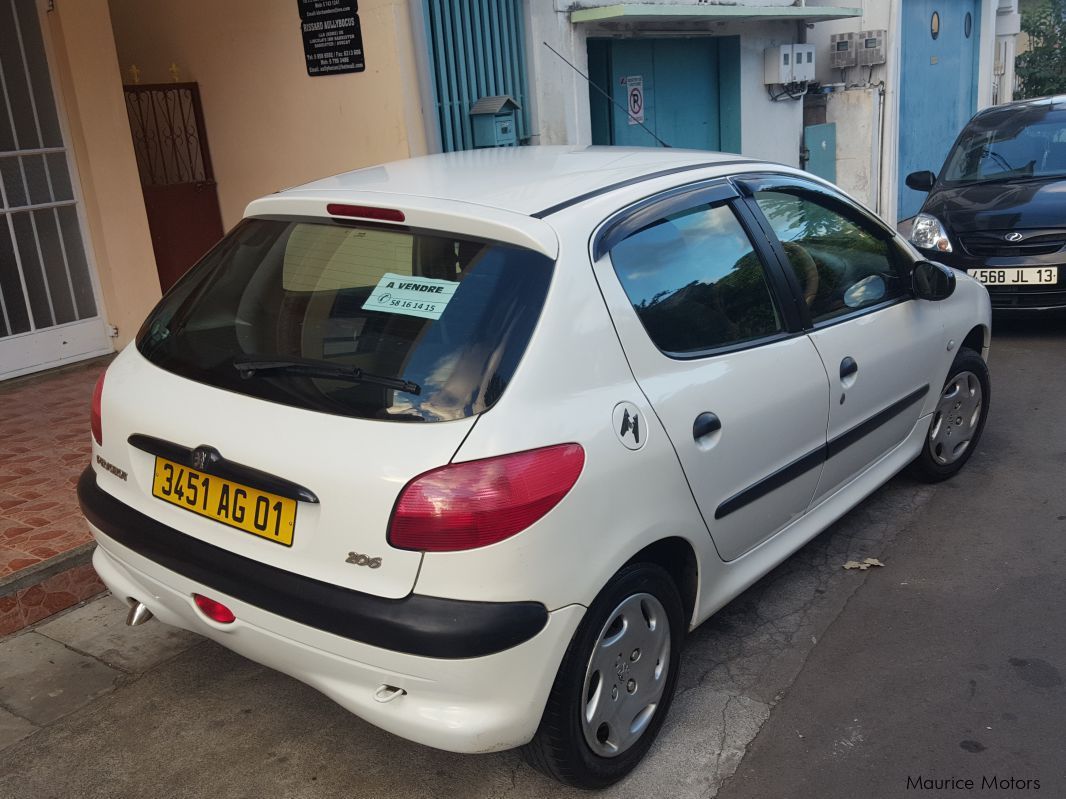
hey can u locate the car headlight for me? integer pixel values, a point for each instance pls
(928, 233)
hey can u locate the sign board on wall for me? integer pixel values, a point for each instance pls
(311, 9)
(635, 98)
(333, 40)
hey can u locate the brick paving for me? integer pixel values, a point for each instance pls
(44, 445)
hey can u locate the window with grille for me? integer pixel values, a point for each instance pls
(44, 276)
(477, 49)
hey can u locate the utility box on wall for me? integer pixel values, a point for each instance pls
(871, 48)
(842, 51)
(495, 122)
(788, 63)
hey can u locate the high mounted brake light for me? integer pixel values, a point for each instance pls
(365, 212)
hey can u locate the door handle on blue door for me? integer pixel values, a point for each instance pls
(848, 367)
(705, 424)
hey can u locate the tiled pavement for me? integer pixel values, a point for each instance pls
(44, 445)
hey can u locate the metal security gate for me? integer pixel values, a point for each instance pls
(180, 193)
(48, 307)
(477, 49)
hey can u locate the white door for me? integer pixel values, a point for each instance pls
(739, 388)
(49, 311)
(880, 346)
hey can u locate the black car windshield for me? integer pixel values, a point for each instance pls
(352, 320)
(1020, 144)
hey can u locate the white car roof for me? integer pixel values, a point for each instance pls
(523, 180)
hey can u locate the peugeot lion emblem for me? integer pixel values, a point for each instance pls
(1013, 236)
(199, 458)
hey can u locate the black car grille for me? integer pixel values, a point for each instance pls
(1027, 297)
(993, 244)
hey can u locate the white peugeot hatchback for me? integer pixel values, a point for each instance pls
(469, 442)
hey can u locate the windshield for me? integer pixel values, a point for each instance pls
(352, 320)
(1020, 145)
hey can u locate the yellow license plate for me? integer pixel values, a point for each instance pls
(257, 512)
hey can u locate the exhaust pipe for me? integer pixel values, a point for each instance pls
(139, 613)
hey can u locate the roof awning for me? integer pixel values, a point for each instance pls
(672, 12)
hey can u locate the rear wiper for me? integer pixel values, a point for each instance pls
(253, 365)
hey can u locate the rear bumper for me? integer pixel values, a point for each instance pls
(416, 625)
(472, 704)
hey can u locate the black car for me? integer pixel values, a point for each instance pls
(998, 208)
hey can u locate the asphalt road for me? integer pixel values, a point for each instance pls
(948, 662)
(948, 665)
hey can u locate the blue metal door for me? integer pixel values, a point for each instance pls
(938, 87)
(820, 142)
(675, 83)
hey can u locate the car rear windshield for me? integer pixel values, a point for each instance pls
(358, 321)
(1024, 143)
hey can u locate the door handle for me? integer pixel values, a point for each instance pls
(705, 424)
(848, 367)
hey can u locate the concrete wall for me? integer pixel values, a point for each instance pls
(269, 125)
(857, 113)
(560, 111)
(768, 130)
(89, 90)
(876, 187)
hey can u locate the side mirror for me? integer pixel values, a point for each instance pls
(921, 181)
(867, 291)
(933, 281)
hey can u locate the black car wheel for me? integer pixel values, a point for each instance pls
(616, 682)
(958, 421)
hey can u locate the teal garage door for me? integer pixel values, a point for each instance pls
(686, 91)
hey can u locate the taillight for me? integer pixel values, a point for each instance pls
(95, 421)
(477, 503)
(215, 611)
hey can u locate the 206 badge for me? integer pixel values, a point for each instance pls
(360, 559)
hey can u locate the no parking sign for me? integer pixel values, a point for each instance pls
(635, 98)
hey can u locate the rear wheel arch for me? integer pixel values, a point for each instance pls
(677, 557)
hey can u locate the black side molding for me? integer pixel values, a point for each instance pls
(415, 625)
(213, 463)
(864, 428)
(760, 489)
(818, 456)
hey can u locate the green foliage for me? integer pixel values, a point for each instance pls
(1042, 69)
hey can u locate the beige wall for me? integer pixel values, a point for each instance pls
(88, 85)
(269, 125)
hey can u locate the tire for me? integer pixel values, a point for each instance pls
(612, 683)
(959, 419)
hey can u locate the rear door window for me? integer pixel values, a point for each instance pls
(696, 282)
(353, 320)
